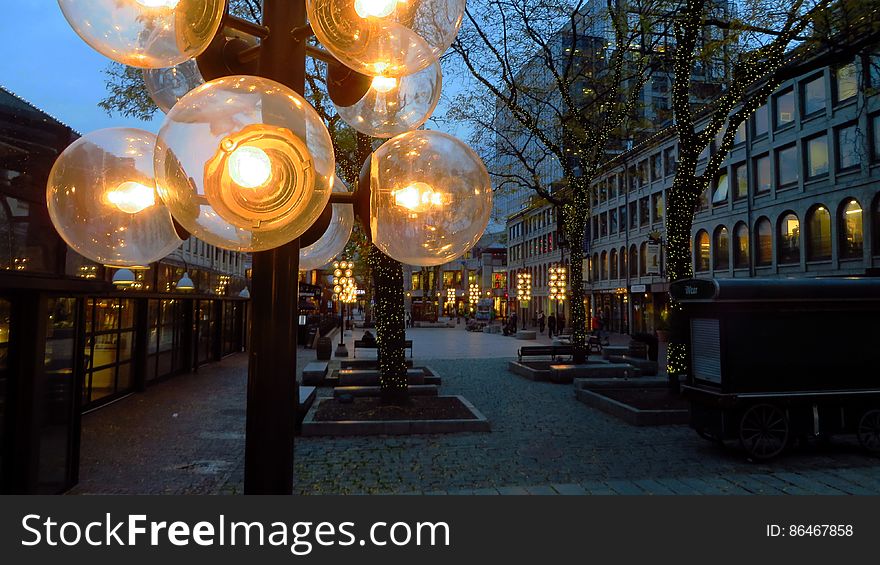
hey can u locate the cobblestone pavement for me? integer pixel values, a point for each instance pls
(186, 436)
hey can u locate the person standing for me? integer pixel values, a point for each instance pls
(560, 323)
(541, 321)
(551, 325)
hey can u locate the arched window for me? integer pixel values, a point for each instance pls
(643, 258)
(722, 249)
(852, 238)
(789, 239)
(603, 266)
(741, 246)
(612, 259)
(633, 261)
(763, 243)
(701, 251)
(595, 266)
(818, 234)
(623, 271)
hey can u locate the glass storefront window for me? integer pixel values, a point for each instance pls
(701, 251)
(764, 243)
(851, 234)
(109, 347)
(741, 246)
(4, 368)
(819, 234)
(722, 249)
(789, 239)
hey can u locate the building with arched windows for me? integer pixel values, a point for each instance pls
(798, 196)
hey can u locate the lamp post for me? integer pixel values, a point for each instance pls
(558, 285)
(524, 292)
(343, 282)
(473, 296)
(263, 172)
(450, 300)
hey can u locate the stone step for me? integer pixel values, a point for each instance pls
(368, 377)
(647, 367)
(526, 334)
(314, 372)
(375, 390)
(607, 370)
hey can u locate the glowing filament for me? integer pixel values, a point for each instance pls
(373, 8)
(170, 4)
(131, 197)
(417, 197)
(384, 84)
(250, 167)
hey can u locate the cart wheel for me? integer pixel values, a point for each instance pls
(869, 430)
(763, 431)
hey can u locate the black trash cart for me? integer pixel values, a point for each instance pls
(777, 359)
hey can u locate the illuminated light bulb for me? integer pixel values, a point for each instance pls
(249, 167)
(244, 163)
(392, 106)
(372, 8)
(100, 198)
(430, 198)
(131, 197)
(148, 34)
(383, 84)
(384, 37)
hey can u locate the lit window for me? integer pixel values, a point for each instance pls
(722, 249)
(784, 108)
(721, 189)
(762, 174)
(701, 251)
(819, 234)
(741, 178)
(764, 240)
(741, 246)
(814, 95)
(789, 239)
(846, 81)
(851, 234)
(657, 205)
(817, 156)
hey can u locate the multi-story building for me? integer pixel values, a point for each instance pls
(483, 268)
(69, 340)
(796, 197)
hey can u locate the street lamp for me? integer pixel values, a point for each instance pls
(343, 283)
(245, 163)
(450, 300)
(473, 296)
(524, 292)
(557, 284)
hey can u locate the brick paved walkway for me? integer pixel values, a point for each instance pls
(186, 436)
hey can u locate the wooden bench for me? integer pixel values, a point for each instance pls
(375, 345)
(553, 351)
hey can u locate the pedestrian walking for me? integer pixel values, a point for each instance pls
(551, 325)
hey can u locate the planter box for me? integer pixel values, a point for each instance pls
(393, 427)
(630, 414)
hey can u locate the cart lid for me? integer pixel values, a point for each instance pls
(763, 289)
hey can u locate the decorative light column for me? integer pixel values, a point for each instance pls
(473, 297)
(558, 285)
(450, 300)
(524, 293)
(342, 283)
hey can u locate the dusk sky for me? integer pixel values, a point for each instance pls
(48, 65)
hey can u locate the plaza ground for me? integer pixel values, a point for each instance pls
(186, 435)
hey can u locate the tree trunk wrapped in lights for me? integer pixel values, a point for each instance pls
(390, 326)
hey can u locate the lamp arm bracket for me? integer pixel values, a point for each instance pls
(302, 33)
(245, 26)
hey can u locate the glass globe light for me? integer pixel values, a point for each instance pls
(244, 163)
(167, 86)
(430, 198)
(101, 197)
(393, 106)
(149, 34)
(334, 239)
(391, 38)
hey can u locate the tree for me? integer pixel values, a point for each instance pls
(767, 43)
(560, 84)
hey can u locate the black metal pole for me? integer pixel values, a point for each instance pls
(272, 395)
(341, 322)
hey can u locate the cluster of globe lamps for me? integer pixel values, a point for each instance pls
(245, 163)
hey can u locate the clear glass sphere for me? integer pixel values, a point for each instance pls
(244, 163)
(334, 239)
(430, 198)
(148, 34)
(395, 105)
(102, 199)
(392, 38)
(167, 86)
